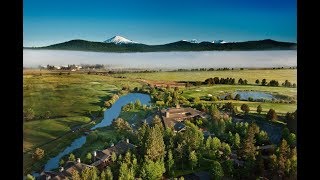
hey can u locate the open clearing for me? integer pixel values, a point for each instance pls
(251, 75)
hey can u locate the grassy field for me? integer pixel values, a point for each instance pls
(223, 89)
(69, 98)
(280, 108)
(251, 75)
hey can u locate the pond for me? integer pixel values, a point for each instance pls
(109, 115)
(255, 95)
(244, 95)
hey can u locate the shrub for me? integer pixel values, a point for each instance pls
(245, 108)
(237, 97)
(271, 115)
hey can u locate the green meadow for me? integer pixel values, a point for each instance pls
(251, 75)
(72, 100)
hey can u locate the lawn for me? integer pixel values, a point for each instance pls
(134, 115)
(217, 90)
(251, 75)
(222, 89)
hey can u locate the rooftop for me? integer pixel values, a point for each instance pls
(119, 148)
(72, 165)
(171, 116)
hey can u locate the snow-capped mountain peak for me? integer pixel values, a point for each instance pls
(191, 41)
(218, 41)
(120, 40)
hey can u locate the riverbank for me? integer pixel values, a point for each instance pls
(112, 113)
(71, 101)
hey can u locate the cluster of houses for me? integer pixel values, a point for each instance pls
(64, 67)
(101, 160)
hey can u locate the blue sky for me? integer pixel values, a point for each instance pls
(47, 22)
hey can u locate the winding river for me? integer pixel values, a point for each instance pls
(109, 115)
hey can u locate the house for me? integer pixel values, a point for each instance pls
(74, 165)
(66, 171)
(51, 175)
(172, 116)
(102, 158)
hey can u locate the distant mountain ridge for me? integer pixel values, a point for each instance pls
(121, 44)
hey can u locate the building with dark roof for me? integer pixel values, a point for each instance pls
(72, 165)
(102, 158)
(172, 116)
(65, 172)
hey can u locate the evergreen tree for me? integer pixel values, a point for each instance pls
(72, 157)
(271, 115)
(293, 159)
(89, 174)
(157, 121)
(193, 159)
(75, 175)
(170, 163)
(142, 134)
(121, 125)
(125, 173)
(155, 148)
(193, 136)
(273, 162)
(153, 170)
(226, 149)
(103, 175)
(208, 143)
(249, 149)
(215, 143)
(180, 151)
(113, 157)
(108, 173)
(137, 104)
(245, 108)
(217, 171)
(237, 142)
(134, 165)
(89, 158)
(61, 163)
(259, 109)
(284, 151)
